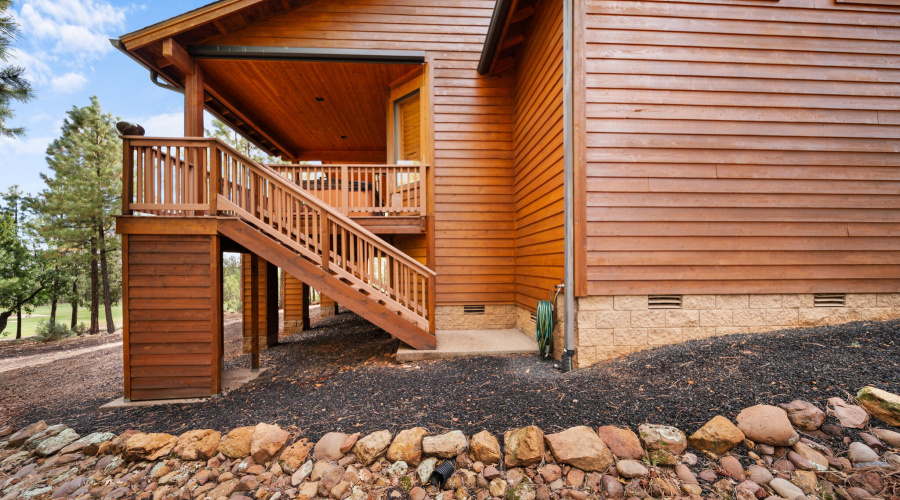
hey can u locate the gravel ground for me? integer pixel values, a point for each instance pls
(341, 376)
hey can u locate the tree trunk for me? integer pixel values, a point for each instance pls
(74, 303)
(107, 302)
(4, 318)
(19, 322)
(95, 289)
(53, 311)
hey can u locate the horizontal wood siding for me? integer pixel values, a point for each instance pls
(473, 124)
(169, 313)
(293, 298)
(742, 147)
(538, 140)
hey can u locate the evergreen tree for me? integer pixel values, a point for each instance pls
(13, 85)
(82, 197)
(23, 270)
(239, 143)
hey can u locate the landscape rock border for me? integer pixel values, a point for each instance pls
(770, 452)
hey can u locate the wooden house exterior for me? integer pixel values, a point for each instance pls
(735, 168)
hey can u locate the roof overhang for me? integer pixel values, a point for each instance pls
(506, 33)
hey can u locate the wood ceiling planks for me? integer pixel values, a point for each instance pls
(283, 95)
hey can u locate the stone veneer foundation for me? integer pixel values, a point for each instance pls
(611, 326)
(495, 317)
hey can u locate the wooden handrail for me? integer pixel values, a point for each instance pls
(363, 189)
(199, 176)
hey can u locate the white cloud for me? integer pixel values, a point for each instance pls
(68, 83)
(25, 146)
(163, 125)
(62, 37)
(77, 28)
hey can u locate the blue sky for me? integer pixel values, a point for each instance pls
(65, 49)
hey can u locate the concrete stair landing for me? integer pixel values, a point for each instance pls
(461, 343)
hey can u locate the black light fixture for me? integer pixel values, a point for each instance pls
(320, 99)
(343, 137)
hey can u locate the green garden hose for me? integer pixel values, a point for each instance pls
(544, 325)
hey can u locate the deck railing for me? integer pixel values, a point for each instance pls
(197, 177)
(363, 190)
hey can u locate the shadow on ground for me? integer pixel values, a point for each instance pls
(341, 377)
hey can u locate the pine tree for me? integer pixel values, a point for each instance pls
(82, 196)
(13, 85)
(23, 268)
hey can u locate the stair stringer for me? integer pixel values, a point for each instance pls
(299, 267)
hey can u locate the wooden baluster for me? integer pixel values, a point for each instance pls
(345, 189)
(326, 243)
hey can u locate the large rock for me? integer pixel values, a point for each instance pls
(623, 443)
(148, 446)
(883, 405)
(851, 416)
(524, 446)
(447, 445)
(334, 445)
(51, 431)
(485, 448)
(804, 415)
(19, 438)
(888, 436)
(295, 455)
(90, 440)
(369, 448)
(407, 446)
(767, 424)
(858, 452)
(663, 443)
(55, 443)
(237, 442)
(785, 488)
(631, 469)
(199, 444)
(716, 436)
(580, 447)
(266, 442)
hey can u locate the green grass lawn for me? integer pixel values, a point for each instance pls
(63, 315)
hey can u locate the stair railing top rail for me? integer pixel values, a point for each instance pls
(333, 214)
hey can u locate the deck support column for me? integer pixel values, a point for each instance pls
(254, 312)
(327, 306)
(267, 300)
(296, 304)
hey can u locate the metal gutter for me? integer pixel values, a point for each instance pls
(306, 54)
(154, 75)
(495, 30)
(569, 184)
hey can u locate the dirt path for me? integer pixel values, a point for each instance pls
(43, 359)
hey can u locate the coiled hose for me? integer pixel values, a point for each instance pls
(544, 325)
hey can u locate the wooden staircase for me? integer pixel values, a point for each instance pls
(285, 225)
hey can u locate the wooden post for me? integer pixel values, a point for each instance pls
(215, 176)
(423, 191)
(126, 321)
(127, 176)
(304, 305)
(254, 312)
(193, 103)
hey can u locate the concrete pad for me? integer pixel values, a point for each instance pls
(461, 343)
(231, 380)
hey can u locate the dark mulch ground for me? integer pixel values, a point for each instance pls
(341, 376)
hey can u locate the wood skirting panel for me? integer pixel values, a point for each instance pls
(538, 140)
(171, 289)
(745, 148)
(472, 117)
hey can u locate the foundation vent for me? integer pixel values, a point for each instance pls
(665, 301)
(534, 317)
(473, 309)
(830, 299)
